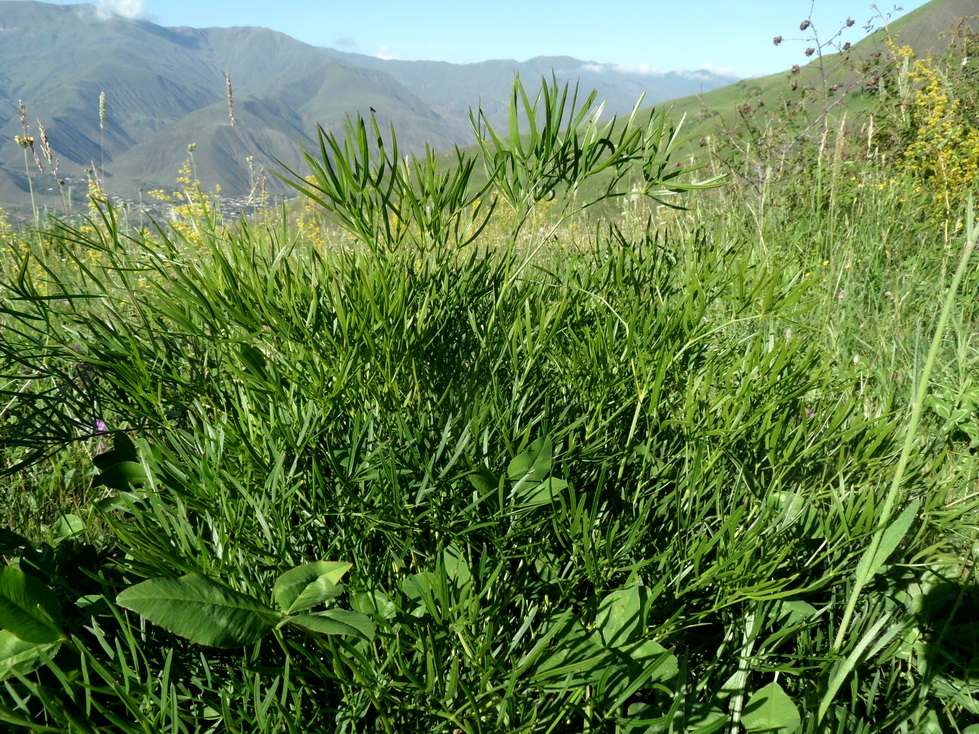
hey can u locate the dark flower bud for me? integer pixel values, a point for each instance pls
(777, 40)
(805, 24)
(849, 22)
(810, 51)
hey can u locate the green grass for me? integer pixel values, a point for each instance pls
(611, 473)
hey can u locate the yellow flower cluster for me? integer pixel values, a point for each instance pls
(192, 209)
(942, 157)
(309, 221)
(6, 228)
(96, 200)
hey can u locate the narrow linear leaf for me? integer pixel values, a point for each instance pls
(873, 560)
(893, 536)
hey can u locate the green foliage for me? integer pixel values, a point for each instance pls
(770, 710)
(383, 198)
(636, 484)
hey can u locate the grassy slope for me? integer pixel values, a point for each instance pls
(630, 480)
(58, 59)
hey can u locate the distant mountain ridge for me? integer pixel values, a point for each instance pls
(166, 88)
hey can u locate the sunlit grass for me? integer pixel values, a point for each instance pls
(612, 472)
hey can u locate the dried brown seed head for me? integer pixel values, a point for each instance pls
(804, 24)
(777, 40)
(810, 51)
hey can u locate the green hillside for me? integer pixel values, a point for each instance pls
(165, 88)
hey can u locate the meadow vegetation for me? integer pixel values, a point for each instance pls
(567, 436)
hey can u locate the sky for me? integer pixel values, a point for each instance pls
(730, 36)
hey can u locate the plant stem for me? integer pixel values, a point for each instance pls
(916, 408)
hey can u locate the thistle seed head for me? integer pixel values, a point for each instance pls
(45, 144)
(231, 99)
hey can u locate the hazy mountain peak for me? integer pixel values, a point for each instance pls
(166, 88)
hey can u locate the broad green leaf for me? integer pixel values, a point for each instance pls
(575, 655)
(620, 616)
(123, 449)
(456, 566)
(20, 657)
(304, 587)
(68, 526)
(792, 611)
(483, 480)
(254, 360)
(11, 542)
(28, 608)
(771, 711)
(702, 718)
(960, 415)
(201, 609)
(541, 494)
(336, 622)
(651, 658)
(532, 465)
(418, 587)
(374, 603)
(123, 475)
(942, 407)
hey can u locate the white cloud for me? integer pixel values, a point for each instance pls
(714, 69)
(128, 9)
(623, 68)
(384, 53)
(647, 70)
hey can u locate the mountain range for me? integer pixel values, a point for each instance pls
(166, 88)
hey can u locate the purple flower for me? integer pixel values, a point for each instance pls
(101, 429)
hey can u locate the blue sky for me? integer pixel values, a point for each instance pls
(656, 35)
